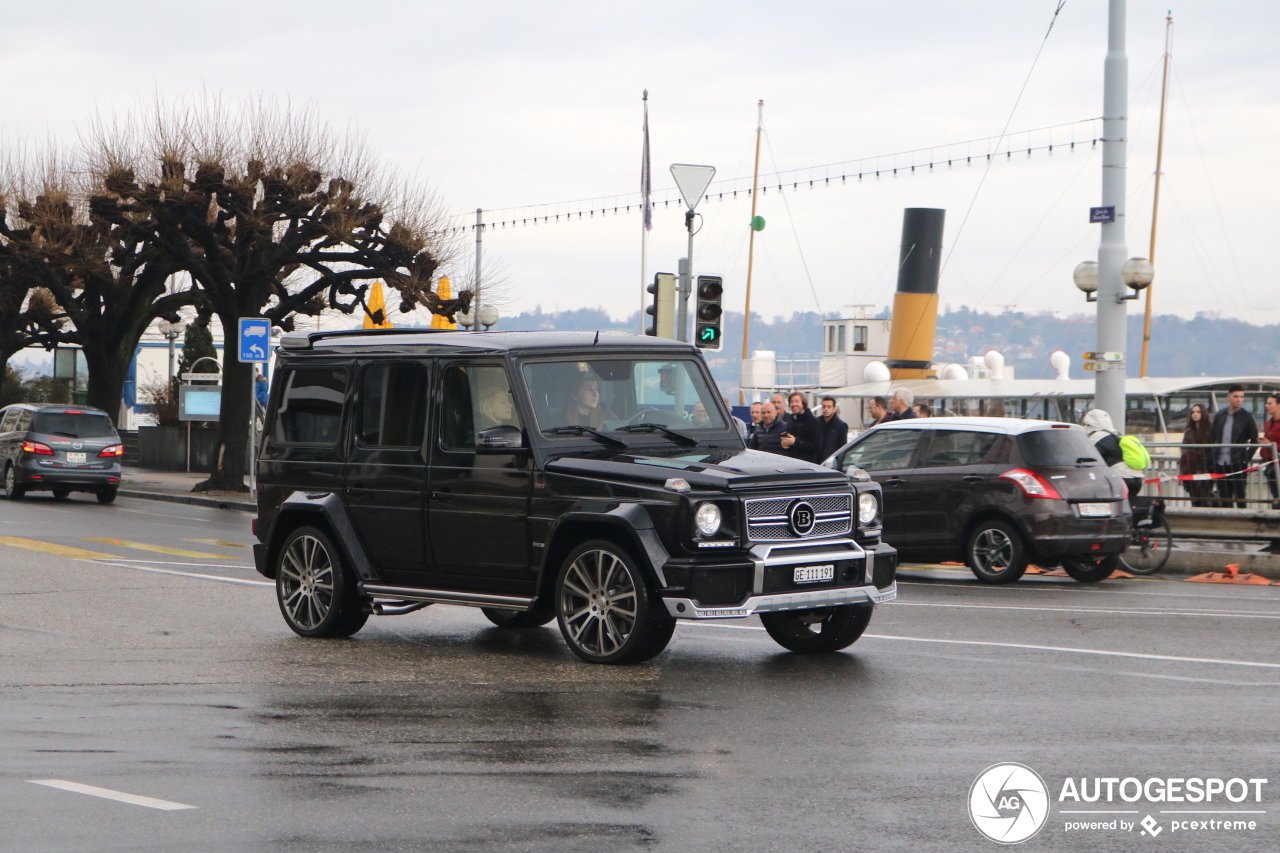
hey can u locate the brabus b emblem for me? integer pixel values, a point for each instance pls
(801, 518)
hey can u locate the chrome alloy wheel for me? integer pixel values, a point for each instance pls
(306, 582)
(598, 600)
(992, 551)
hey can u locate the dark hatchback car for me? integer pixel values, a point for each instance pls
(59, 449)
(997, 493)
(596, 480)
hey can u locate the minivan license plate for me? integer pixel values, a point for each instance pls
(76, 458)
(815, 574)
(1095, 510)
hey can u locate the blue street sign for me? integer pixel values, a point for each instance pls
(1103, 214)
(255, 337)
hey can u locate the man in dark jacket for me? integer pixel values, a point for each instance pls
(831, 432)
(767, 435)
(900, 405)
(1233, 425)
(800, 440)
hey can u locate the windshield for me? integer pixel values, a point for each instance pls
(72, 424)
(1056, 447)
(606, 395)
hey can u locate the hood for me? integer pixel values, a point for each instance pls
(1096, 419)
(715, 469)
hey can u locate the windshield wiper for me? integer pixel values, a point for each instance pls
(579, 429)
(663, 428)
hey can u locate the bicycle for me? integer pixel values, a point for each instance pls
(1151, 539)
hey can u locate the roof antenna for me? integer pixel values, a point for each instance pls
(597, 340)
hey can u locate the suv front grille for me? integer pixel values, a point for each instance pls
(767, 517)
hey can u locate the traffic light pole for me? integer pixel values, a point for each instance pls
(686, 284)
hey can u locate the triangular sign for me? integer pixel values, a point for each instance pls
(692, 181)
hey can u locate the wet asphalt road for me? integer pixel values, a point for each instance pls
(435, 731)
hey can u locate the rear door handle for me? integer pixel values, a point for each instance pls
(357, 492)
(441, 496)
(894, 481)
(973, 478)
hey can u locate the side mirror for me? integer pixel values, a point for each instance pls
(501, 439)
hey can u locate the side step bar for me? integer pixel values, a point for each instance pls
(445, 596)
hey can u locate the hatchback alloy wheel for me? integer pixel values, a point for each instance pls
(995, 552)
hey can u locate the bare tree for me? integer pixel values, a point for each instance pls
(272, 215)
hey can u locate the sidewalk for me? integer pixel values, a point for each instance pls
(175, 486)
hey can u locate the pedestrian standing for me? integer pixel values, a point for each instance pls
(1270, 438)
(800, 440)
(1197, 460)
(878, 408)
(900, 405)
(1102, 433)
(767, 435)
(261, 388)
(780, 407)
(1233, 425)
(923, 410)
(832, 433)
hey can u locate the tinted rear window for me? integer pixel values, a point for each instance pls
(1056, 447)
(73, 424)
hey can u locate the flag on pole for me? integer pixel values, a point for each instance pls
(445, 291)
(375, 312)
(646, 183)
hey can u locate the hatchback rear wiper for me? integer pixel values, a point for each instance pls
(663, 428)
(579, 429)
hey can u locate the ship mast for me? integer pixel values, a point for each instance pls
(1155, 204)
(751, 246)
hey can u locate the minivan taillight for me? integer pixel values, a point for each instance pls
(37, 448)
(113, 450)
(1031, 483)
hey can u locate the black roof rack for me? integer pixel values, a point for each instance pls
(305, 340)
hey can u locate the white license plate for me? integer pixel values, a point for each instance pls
(76, 458)
(1095, 510)
(815, 574)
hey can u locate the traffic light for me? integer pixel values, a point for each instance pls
(663, 309)
(706, 319)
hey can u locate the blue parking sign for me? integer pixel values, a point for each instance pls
(254, 339)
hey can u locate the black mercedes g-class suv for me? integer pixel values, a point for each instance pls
(594, 479)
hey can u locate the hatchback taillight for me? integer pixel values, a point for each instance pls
(1031, 483)
(37, 448)
(113, 450)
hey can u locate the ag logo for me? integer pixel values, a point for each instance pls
(1008, 803)
(801, 517)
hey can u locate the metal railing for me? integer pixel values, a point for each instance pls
(1166, 457)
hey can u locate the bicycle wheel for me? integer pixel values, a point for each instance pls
(1149, 548)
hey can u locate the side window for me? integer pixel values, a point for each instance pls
(882, 450)
(392, 405)
(952, 447)
(10, 421)
(24, 420)
(476, 397)
(310, 409)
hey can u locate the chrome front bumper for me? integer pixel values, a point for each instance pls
(794, 553)
(683, 608)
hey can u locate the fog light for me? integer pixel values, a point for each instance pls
(708, 519)
(868, 508)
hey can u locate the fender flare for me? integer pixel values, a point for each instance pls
(328, 506)
(632, 519)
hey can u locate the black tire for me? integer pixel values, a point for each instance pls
(1091, 571)
(61, 494)
(317, 595)
(995, 552)
(12, 490)
(535, 618)
(824, 629)
(107, 496)
(1149, 550)
(596, 582)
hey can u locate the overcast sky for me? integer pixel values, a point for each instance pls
(504, 104)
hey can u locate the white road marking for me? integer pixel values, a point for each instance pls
(1076, 588)
(1027, 646)
(180, 563)
(241, 581)
(108, 794)
(1246, 614)
(162, 514)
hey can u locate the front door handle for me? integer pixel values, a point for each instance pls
(973, 478)
(441, 496)
(357, 492)
(894, 481)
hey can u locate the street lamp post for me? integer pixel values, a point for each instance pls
(1110, 383)
(171, 332)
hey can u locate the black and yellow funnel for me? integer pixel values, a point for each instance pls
(915, 305)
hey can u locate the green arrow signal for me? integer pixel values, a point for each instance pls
(708, 334)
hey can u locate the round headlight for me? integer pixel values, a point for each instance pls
(708, 519)
(868, 508)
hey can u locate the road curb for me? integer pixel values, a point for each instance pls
(191, 500)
